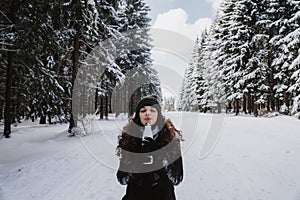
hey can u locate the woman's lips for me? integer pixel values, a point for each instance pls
(147, 119)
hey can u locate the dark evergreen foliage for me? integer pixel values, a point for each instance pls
(46, 49)
(250, 59)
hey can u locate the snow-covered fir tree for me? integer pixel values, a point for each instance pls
(188, 91)
(286, 63)
(55, 41)
(199, 84)
(8, 34)
(134, 55)
(250, 58)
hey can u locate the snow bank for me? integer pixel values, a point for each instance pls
(255, 158)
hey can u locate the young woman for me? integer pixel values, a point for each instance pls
(151, 166)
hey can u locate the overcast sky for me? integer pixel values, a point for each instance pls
(175, 27)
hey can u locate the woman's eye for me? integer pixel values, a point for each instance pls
(153, 110)
(143, 110)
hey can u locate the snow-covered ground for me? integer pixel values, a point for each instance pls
(255, 158)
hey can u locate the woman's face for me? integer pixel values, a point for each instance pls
(148, 114)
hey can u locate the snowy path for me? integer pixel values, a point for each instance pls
(255, 158)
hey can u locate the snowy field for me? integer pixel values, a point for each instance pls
(255, 158)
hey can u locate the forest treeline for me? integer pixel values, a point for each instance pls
(248, 61)
(48, 54)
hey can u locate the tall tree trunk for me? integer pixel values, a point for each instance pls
(272, 102)
(43, 119)
(255, 110)
(75, 61)
(219, 107)
(101, 107)
(49, 117)
(245, 104)
(271, 81)
(237, 106)
(106, 106)
(32, 112)
(229, 106)
(18, 112)
(249, 101)
(268, 103)
(277, 104)
(110, 102)
(96, 100)
(7, 109)
(287, 101)
(1, 111)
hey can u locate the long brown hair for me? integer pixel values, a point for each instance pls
(130, 143)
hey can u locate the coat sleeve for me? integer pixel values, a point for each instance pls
(174, 169)
(125, 178)
(126, 171)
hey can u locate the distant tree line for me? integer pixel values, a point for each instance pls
(248, 61)
(45, 45)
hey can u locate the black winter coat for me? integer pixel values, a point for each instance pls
(157, 183)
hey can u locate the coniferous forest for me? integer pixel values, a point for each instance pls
(63, 58)
(248, 61)
(46, 49)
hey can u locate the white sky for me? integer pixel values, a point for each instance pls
(182, 21)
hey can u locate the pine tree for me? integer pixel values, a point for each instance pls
(198, 74)
(185, 101)
(191, 103)
(41, 49)
(250, 56)
(9, 47)
(236, 31)
(134, 54)
(81, 19)
(290, 54)
(266, 28)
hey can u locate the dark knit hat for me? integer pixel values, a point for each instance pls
(150, 100)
